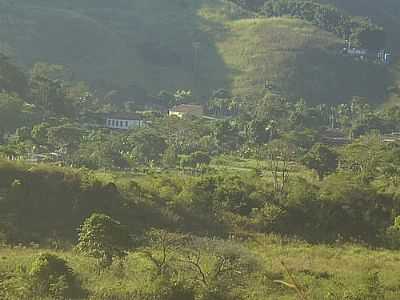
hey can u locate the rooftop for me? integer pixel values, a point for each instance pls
(123, 116)
(186, 108)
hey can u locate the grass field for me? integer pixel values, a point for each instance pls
(319, 269)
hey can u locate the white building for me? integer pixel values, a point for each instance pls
(124, 121)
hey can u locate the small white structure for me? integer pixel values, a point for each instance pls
(124, 121)
(357, 52)
(186, 110)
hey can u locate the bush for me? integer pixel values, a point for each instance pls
(160, 289)
(175, 290)
(51, 276)
(392, 235)
(270, 218)
(103, 238)
(14, 285)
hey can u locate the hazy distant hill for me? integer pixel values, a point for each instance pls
(150, 45)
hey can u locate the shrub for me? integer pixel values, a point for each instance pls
(14, 285)
(103, 238)
(392, 236)
(174, 290)
(51, 276)
(270, 218)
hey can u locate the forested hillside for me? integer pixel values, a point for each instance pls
(143, 47)
(199, 150)
(384, 13)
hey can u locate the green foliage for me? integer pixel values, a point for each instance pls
(374, 289)
(173, 290)
(351, 208)
(322, 159)
(99, 150)
(227, 136)
(219, 266)
(51, 276)
(104, 239)
(258, 132)
(183, 97)
(15, 285)
(148, 146)
(361, 31)
(392, 235)
(371, 288)
(40, 133)
(12, 79)
(270, 218)
(162, 250)
(48, 90)
(196, 160)
(11, 111)
(344, 271)
(40, 201)
(364, 157)
(166, 99)
(170, 157)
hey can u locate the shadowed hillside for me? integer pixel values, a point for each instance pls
(147, 46)
(384, 12)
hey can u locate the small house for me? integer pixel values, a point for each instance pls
(186, 110)
(391, 138)
(356, 52)
(384, 57)
(124, 121)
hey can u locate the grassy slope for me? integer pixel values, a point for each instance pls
(149, 44)
(299, 59)
(320, 269)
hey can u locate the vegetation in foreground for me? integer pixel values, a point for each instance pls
(261, 267)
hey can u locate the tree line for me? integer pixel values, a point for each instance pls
(361, 32)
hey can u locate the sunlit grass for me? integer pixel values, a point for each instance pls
(318, 268)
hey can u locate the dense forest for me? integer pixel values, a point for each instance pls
(110, 191)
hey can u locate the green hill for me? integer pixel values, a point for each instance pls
(299, 59)
(151, 45)
(385, 13)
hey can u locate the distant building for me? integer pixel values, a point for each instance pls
(334, 136)
(186, 110)
(380, 56)
(356, 52)
(391, 138)
(124, 121)
(384, 56)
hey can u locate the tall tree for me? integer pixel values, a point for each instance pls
(11, 107)
(322, 159)
(103, 238)
(12, 79)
